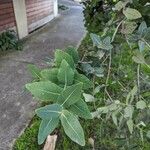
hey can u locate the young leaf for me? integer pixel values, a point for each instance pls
(142, 28)
(128, 111)
(88, 97)
(80, 78)
(141, 45)
(114, 118)
(60, 56)
(140, 104)
(70, 95)
(132, 14)
(35, 72)
(80, 108)
(138, 58)
(72, 127)
(96, 39)
(49, 111)
(106, 45)
(44, 90)
(46, 128)
(65, 74)
(130, 125)
(50, 74)
(120, 5)
(73, 53)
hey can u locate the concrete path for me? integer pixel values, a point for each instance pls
(16, 105)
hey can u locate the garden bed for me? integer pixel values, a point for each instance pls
(123, 73)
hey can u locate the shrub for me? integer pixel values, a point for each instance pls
(98, 12)
(63, 86)
(9, 40)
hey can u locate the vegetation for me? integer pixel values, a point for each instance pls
(116, 60)
(9, 41)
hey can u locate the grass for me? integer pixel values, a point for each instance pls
(102, 132)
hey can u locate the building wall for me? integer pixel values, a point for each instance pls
(39, 12)
(7, 17)
(26, 15)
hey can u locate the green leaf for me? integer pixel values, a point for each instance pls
(35, 72)
(60, 56)
(49, 111)
(50, 74)
(120, 5)
(72, 127)
(114, 118)
(146, 69)
(80, 78)
(46, 128)
(96, 39)
(141, 45)
(128, 111)
(132, 14)
(80, 108)
(44, 90)
(148, 134)
(106, 44)
(128, 27)
(142, 28)
(140, 104)
(70, 95)
(73, 53)
(88, 97)
(130, 125)
(138, 58)
(65, 74)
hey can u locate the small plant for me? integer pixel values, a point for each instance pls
(63, 86)
(9, 40)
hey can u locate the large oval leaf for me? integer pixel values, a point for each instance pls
(73, 53)
(80, 108)
(132, 14)
(50, 74)
(49, 111)
(65, 73)
(44, 90)
(46, 128)
(61, 55)
(70, 95)
(35, 72)
(72, 127)
(80, 78)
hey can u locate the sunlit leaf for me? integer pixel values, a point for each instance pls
(132, 14)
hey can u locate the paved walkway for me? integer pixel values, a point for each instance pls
(16, 105)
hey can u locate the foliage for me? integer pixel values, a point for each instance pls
(129, 111)
(97, 13)
(118, 65)
(9, 40)
(63, 86)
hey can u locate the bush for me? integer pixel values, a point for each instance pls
(9, 40)
(98, 12)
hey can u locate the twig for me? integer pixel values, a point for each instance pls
(113, 37)
(108, 75)
(138, 78)
(50, 142)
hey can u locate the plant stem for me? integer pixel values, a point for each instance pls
(113, 37)
(138, 78)
(108, 75)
